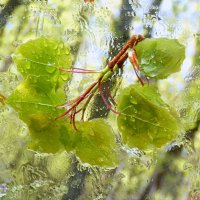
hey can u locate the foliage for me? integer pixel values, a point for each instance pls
(36, 162)
(93, 143)
(42, 90)
(36, 99)
(160, 57)
(145, 120)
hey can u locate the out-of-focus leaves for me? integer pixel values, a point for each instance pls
(90, 1)
(93, 143)
(8, 82)
(160, 57)
(146, 120)
(2, 99)
(190, 108)
(189, 103)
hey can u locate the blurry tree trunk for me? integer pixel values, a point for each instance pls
(120, 36)
(7, 12)
(154, 9)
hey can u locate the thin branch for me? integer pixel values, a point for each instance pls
(105, 100)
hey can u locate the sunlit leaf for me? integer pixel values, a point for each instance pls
(36, 98)
(40, 60)
(37, 108)
(93, 143)
(190, 108)
(146, 120)
(160, 57)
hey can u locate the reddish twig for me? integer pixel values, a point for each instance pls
(79, 71)
(105, 100)
(134, 61)
(121, 61)
(109, 94)
(77, 101)
(85, 105)
(132, 42)
(117, 61)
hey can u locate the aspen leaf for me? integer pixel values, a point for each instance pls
(36, 98)
(39, 60)
(146, 120)
(160, 57)
(93, 143)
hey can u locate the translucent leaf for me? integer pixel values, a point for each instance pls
(145, 120)
(37, 108)
(160, 57)
(93, 143)
(40, 60)
(36, 98)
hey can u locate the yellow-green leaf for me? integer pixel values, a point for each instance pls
(160, 57)
(39, 60)
(146, 120)
(93, 143)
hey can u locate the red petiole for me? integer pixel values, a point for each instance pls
(79, 70)
(116, 63)
(109, 94)
(104, 99)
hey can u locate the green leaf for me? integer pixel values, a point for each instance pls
(93, 143)
(39, 60)
(146, 120)
(37, 108)
(36, 98)
(160, 57)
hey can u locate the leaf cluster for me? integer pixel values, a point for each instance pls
(145, 120)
